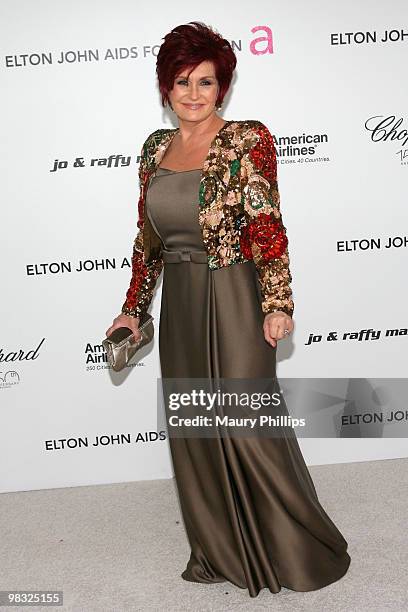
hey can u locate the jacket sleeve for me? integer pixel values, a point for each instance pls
(264, 235)
(144, 275)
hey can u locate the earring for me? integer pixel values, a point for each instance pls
(218, 108)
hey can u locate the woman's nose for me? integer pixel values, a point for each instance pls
(194, 92)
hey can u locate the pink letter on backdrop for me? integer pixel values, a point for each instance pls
(267, 38)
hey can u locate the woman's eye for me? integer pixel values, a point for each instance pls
(185, 82)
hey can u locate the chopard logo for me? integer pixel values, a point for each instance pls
(20, 355)
(9, 379)
(390, 128)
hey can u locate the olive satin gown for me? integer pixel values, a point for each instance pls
(249, 505)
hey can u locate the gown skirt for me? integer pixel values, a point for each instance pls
(249, 505)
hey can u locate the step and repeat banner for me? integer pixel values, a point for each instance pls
(79, 96)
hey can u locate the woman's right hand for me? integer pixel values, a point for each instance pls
(123, 320)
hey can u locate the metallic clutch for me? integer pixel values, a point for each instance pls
(120, 345)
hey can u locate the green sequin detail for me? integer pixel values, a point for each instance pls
(201, 193)
(234, 167)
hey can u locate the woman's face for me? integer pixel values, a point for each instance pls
(193, 98)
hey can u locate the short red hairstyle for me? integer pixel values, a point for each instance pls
(185, 47)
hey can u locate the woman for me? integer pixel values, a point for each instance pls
(209, 201)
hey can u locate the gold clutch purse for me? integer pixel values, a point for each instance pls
(120, 345)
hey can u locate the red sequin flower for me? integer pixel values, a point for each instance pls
(268, 234)
(263, 155)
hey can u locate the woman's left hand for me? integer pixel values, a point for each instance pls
(274, 326)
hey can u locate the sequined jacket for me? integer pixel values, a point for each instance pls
(239, 214)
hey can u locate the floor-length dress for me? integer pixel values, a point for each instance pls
(250, 509)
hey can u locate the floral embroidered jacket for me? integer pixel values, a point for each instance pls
(239, 214)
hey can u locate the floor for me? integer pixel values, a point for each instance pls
(122, 547)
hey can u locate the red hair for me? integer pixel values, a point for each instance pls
(186, 46)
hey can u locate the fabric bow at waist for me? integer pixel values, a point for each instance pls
(179, 256)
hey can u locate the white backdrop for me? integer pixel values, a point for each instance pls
(78, 82)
